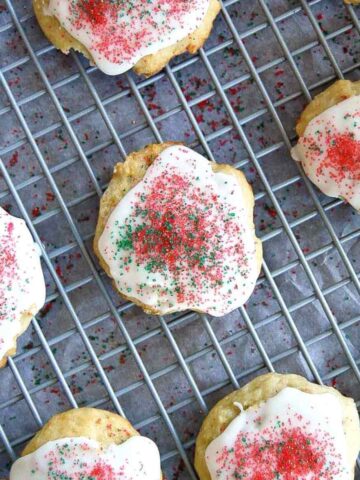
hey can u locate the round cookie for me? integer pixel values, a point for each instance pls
(150, 63)
(93, 429)
(329, 141)
(131, 173)
(22, 285)
(260, 390)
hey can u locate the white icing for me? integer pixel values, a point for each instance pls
(226, 274)
(22, 286)
(81, 459)
(317, 416)
(319, 139)
(120, 35)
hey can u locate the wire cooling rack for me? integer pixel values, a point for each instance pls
(64, 125)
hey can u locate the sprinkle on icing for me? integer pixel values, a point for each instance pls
(181, 238)
(118, 33)
(22, 287)
(292, 436)
(83, 459)
(342, 157)
(329, 151)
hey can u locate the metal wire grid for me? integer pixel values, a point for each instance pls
(167, 326)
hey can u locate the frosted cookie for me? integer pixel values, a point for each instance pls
(329, 143)
(176, 232)
(117, 35)
(279, 427)
(22, 286)
(87, 443)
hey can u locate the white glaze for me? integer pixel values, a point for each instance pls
(317, 416)
(147, 31)
(81, 458)
(22, 286)
(313, 147)
(158, 288)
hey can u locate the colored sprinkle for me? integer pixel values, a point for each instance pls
(280, 452)
(343, 156)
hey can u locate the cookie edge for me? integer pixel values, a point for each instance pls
(331, 96)
(25, 321)
(82, 422)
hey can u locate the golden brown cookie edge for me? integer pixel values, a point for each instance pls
(55, 33)
(336, 93)
(100, 425)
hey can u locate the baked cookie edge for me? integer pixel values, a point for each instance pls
(83, 422)
(336, 93)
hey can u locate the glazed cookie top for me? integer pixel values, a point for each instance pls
(81, 458)
(22, 287)
(181, 238)
(292, 436)
(329, 151)
(118, 33)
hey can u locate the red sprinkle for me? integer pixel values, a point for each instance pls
(102, 472)
(343, 156)
(288, 453)
(8, 274)
(119, 29)
(180, 229)
(95, 10)
(14, 159)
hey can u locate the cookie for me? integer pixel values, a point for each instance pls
(279, 426)
(117, 36)
(22, 285)
(88, 443)
(329, 143)
(176, 232)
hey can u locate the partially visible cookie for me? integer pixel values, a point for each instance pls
(329, 143)
(279, 426)
(91, 444)
(353, 2)
(116, 36)
(22, 286)
(176, 232)
(336, 93)
(93, 423)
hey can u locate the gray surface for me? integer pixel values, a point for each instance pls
(64, 125)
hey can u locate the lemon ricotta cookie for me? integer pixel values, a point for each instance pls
(22, 286)
(117, 35)
(329, 141)
(88, 443)
(176, 232)
(279, 427)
